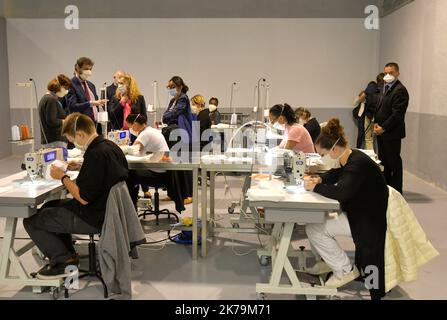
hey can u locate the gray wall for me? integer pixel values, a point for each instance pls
(415, 36)
(318, 63)
(5, 147)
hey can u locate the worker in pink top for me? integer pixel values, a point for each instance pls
(296, 137)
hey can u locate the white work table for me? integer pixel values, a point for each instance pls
(155, 161)
(297, 207)
(19, 198)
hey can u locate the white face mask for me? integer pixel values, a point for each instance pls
(389, 78)
(212, 108)
(62, 93)
(302, 122)
(85, 74)
(122, 88)
(330, 163)
(279, 126)
(194, 109)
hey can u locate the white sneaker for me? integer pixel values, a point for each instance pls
(335, 283)
(319, 268)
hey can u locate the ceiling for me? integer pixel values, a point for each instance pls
(196, 8)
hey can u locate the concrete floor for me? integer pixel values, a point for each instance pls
(231, 270)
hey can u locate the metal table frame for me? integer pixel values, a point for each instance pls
(15, 204)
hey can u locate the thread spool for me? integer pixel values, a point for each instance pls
(24, 132)
(15, 133)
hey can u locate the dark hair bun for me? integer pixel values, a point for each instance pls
(333, 129)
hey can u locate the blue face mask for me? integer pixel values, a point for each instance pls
(172, 92)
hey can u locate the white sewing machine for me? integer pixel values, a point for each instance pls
(37, 164)
(294, 166)
(120, 137)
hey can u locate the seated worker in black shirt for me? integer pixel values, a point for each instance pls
(52, 226)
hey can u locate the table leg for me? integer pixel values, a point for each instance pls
(203, 208)
(195, 213)
(7, 245)
(212, 194)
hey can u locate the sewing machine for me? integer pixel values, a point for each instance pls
(120, 137)
(37, 163)
(294, 166)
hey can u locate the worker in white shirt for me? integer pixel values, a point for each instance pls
(149, 140)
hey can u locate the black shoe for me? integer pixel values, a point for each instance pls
(58, 271)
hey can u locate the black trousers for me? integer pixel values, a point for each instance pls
(389, 154)
(146, 178)
(51, 229)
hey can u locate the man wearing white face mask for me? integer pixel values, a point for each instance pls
(82, 96)
(389, 125)
(111, 90)
(52, 113)
(51, 228)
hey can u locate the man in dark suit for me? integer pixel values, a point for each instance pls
(82, 96)
(390, 125)
(111, 90)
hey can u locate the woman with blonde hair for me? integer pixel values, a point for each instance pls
(203, 115)
(127, 100)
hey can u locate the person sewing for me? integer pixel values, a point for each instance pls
(274, 114)
(362, 191)
(51, 227)
(52, 113)
(128, 100)
(296, 137)
(203, 116)
(149, 140)
(310, 123)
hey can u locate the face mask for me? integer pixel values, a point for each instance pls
(172, 92)
(330, 163)
(194, 109)
(80, 147)
(212, 108)
(85, 74)
(122, 88)
(302, 122)
(279, 126)
(389, 78)
(115, 82)
(62, 93)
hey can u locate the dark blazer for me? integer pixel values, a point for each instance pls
(116, 112)
(390, 114)
(111, 91)
(77, 100)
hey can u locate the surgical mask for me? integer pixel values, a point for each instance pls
(194, 109)
(172, 92)
(84, 147)
(80, 147)
(302, 122)
(85, 74)
(279, 126)
(330, 163)
(389, 78)
(133, 132)
(62, 93)
(212, 108)
(122, 88)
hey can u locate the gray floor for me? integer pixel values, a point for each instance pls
(231, 270)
